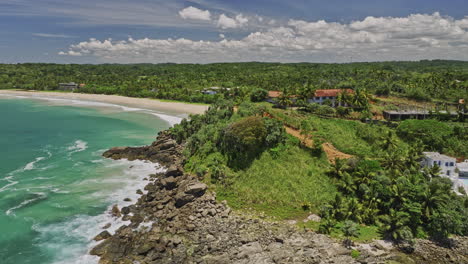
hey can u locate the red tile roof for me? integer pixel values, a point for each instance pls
(274, 94)
(331, 92)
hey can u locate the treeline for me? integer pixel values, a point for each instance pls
(424, 80)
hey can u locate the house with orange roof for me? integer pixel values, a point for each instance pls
(323, 95)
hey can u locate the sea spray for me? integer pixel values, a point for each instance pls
(79, 231)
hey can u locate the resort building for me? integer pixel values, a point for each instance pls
(214, 90)
(273, 96)
(412, 114)
(463, 169)
(446, 164)
(448, 168)
(71, 86)
(331, 95)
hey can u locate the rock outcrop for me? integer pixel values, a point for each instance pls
(179, 220)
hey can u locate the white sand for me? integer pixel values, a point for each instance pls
(145, 103)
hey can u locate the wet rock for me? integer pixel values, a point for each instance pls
(140, 192)
(125, 210)
(115, 211)
(100, 249)
(106, 226)
(127, 200)
(101, 236)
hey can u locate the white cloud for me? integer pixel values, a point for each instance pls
(418, 36)
(226, 22)
(45, 35)
(195, 14)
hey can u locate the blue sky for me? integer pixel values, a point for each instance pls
(201, 31)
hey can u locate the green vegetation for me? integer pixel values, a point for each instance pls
(252, 163)
(424, 80)
(436, 136)
(249, 161)
(245, 155)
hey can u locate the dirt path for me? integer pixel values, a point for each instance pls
(330, 150)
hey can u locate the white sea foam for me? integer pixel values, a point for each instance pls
(87, 103)
(172, 120)
(30, 165)
(78, 146)
(39, 196)
(81, 229)
(11, 183)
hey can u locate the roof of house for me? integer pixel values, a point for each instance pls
(274, 94)
(438, 156)
(331, 92)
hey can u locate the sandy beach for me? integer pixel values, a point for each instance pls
(146, 103)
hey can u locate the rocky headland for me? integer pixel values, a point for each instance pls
(178, 220)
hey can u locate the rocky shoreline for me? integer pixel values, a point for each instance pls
(179, 220)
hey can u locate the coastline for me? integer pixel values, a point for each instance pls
(146, 103)
(84, 227)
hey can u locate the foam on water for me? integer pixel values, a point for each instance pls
(170, 119)
(73, 238)
(39, 196)
(30, 165)
(78, 146)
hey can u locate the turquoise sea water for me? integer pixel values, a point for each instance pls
(55, 188)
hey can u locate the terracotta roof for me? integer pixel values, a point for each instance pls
(274, 94)
(330, 92)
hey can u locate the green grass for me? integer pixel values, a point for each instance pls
(366, 233)
(280, 186)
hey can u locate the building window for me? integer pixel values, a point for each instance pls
(448, 173)
(440, 163)
(451, 164)
(446, 164)
(435, 163)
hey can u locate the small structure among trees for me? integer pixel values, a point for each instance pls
(335, 97)
(71, 86)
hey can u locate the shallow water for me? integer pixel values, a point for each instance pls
(55, 188)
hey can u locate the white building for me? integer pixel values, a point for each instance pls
(446, 164)
(331, 95)
(463, 169)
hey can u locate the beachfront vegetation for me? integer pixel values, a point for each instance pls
(424, 80)
(380, 191)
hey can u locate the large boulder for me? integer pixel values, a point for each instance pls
(101, 236)
(173, 171)
(196, 189)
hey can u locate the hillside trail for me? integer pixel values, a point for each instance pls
(328, 148)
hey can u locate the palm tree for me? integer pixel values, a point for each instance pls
(350, 229)
(433, 197)
(284, 100)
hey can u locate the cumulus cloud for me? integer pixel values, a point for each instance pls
(226, 22)
(418, 36)
(195, 14)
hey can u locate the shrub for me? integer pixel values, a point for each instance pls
(244, 139)
(355, 253)
(258, 95)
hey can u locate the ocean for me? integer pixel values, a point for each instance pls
(55, 188)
